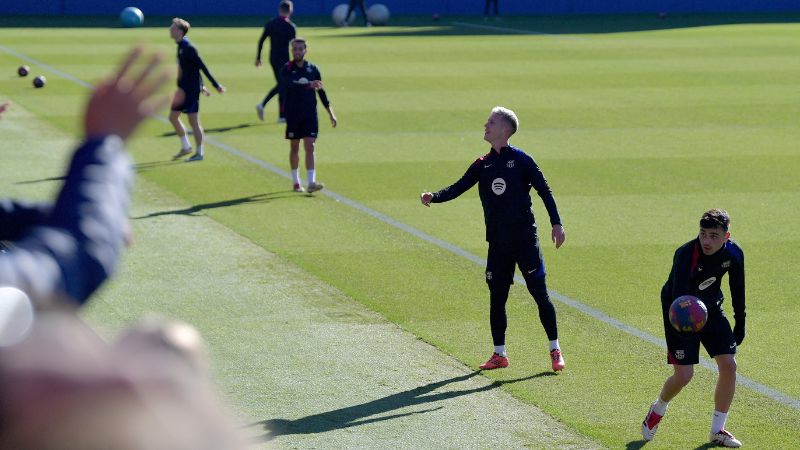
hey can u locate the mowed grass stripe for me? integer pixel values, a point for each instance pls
(301, 363)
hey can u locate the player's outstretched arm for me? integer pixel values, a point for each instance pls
(71, 253)
(559, 235)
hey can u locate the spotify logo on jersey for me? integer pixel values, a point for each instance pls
(498, 186)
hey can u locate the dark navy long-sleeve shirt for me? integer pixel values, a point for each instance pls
(504, 183)
(280, 32)
(17, 217)
(301, 99)
(66, 250)
(695, 273)
(190, 64)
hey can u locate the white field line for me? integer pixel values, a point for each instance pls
(767, 391)
(513, 30)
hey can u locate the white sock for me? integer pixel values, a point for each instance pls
(295, 176)
(718, 421)
(554, 345)
(200, 150)
(500, 350)
(660, 406)
(185, 142)
(312, 176)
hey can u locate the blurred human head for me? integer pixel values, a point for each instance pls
(66, 388)
(179, 28)
(285, 8)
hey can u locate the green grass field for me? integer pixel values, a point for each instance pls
(340, 330)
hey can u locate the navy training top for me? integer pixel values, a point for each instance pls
(67, 250)
(301, 100)
(280, 31)
(695, 273)
(504, 182)
(190, 65)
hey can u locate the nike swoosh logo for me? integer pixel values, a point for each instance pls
(487, 166)
(531, 271)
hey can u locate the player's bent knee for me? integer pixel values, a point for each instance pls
(538, 289)
(726, 365)
(683, 374)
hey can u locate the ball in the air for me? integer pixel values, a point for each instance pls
(23, 71)
(39, 81)
(16, 316)
(688, 314)
(131, 17)
(378, 14)
(339, 16)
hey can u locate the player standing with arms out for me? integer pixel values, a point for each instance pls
(190, 85)
(280, 31)
(505, 177)
(697, 269)
(302, 82)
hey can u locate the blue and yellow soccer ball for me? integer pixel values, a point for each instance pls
(688, 314)
(131, 17)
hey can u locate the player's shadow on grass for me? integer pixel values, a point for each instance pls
(145, 166)
(212, 130)
(636, 445)
(362, 414)
(197, 209)
(43, 180)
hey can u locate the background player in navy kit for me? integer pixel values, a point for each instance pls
(697, 269)
(352, 7)
(505, 176)
(486, 9)
(280, 31)
(190, 85)
(302, 82)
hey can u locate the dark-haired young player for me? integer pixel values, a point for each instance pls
(697, 269)
(280, 31)
(302, 82)
(505, 177)
(190, 86)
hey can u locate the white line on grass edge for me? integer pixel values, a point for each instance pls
(767, 391)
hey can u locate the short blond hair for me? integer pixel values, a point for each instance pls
(509, 116)
(182, 25)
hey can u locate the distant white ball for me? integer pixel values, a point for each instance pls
(378, 14)
(16, 316)
(339, 15)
